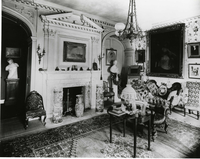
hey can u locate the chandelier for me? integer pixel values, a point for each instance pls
(131, 30)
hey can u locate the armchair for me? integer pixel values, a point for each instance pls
(34, 107)
(108, 92)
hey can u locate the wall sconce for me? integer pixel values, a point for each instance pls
(40, 54)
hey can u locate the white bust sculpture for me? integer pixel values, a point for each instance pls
(114, 68)
(12, 69)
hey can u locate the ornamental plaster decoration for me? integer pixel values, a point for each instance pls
(71, 21)
(23, 10)
(94, 40)
(37, 5)
(49, 32)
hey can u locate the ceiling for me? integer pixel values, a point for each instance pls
(149, 12)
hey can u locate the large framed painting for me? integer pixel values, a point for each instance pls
(166, 51)
(74, 52)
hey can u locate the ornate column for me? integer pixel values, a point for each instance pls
(129, 57)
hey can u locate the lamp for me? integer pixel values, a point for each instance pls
(129, 95)
(131, 30)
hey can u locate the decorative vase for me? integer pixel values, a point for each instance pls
(58, 105)
(99, 98)
(79, 107)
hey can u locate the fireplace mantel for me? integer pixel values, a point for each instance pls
(65, 79)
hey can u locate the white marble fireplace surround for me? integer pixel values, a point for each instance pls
(65, 79)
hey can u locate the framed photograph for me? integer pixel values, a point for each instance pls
(74, 52)
(111, 55)
(13, 52)
(166, 51)
(193, 50)
(194, 71)
(140, 56)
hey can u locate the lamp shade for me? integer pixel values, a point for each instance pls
(119, 26)
(128, 93)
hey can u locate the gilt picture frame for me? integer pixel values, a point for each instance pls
(74, 52)
(13, 52)
(194, 71)
(111, 55)
(166, 51)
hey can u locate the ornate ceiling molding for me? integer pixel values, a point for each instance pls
(50, 8)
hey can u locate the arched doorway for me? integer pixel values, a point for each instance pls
(15, 35)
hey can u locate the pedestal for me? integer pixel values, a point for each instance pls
(115, 89)
(12, 91)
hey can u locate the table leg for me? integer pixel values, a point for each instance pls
(135, 136)
(149, 130)
(110, 128)
(124, 127)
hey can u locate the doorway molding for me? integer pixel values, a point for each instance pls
(33, 37)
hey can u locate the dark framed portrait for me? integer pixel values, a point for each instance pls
(194, 71)
(166, 51)
(140, 56)
(74, 52)
(111, 55)
(193, 50)
(13, 52)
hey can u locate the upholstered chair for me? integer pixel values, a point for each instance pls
(193, 102)
(34, 107)
(176, 95)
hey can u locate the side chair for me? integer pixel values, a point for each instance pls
(34, 107)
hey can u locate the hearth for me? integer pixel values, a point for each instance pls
(69, 99)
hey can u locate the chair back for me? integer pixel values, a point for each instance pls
(34, 101)
(193, 94)
(106, 87)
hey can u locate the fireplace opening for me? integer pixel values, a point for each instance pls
(69, 99)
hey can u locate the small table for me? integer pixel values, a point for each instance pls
(136, 119)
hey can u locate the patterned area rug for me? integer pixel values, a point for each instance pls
(90, 138)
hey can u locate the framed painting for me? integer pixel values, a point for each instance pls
(194, 71)
(166, 51)
(140, 56)
(13, 52)
(111, 55)
(74, 52)
(193, 50)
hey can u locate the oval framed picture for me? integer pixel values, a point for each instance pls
(111, 55)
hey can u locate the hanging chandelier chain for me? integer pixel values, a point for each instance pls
(131, 30)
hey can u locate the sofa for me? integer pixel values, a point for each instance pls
(156, 97)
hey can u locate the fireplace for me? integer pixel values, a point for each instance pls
(69, 99)
(60, 80)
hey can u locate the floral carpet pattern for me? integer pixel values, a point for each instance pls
(67, 141)
(122, 147)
